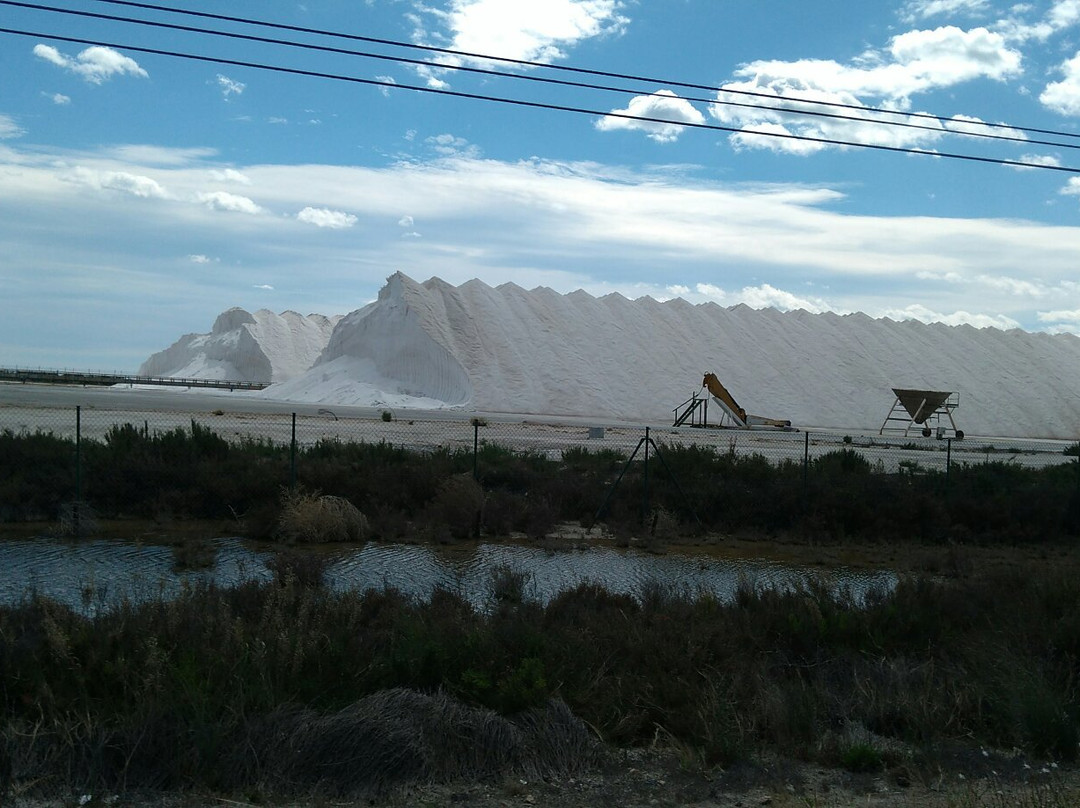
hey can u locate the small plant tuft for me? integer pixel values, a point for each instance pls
(311, 518)
(861, 757)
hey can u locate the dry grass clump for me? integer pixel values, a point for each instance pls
(397, 737)
(310, 518)
(77, 520)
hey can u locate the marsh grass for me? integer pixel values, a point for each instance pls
(194, 473)
(219, 687)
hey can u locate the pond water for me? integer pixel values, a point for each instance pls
(91, 575)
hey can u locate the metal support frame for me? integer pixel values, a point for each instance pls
(645, 442)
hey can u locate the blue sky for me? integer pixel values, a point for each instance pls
(141, 194)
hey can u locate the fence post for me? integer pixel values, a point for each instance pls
(76, 507)
(806, 460)
(645, 497)
(292, 455)
(948, 461)
(475, 448)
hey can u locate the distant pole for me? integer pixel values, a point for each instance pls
(948, 461)
(292, 455)
(475, 448)
(805, 459)
(645, 497)
(78, 470)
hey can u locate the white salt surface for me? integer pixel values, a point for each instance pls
(509, 350)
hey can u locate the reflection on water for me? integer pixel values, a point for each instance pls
(91, 575)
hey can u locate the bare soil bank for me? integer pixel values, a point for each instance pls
(659, 777)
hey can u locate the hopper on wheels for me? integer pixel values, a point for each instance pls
(927, 409)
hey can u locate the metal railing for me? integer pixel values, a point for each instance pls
(99, 379)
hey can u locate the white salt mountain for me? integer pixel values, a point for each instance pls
(505, 349)
(262, 347)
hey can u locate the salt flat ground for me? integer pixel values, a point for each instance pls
(237, 415)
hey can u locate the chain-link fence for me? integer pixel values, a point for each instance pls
(61, 463)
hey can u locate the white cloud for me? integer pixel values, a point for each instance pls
(385, 80)
(1037, 160)
(222, 200)
(452, 146)
(967, 124)
(763, 296)
(776, 138)
(121, 181)
(663, 104)
(58, 98)
(1071, 316)
(230, 175)
(531, 30)
(159, 155)
(228, 86)
(1063, 97)
(95, 64)
(766, 296)
(200, 259)
(921, 9)
(1064, 14)
(788, 246)
(264, 286)
(1061, 14)
(526, 30)
(1072, 187)
(9, 128)
(1013, 286)
(321, 217)
(926, 315)
(711, 291)
(914, 62)
(945, 277)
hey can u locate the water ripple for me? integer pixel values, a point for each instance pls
(96, 574)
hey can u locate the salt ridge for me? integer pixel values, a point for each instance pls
(262, 347)
(506, 349)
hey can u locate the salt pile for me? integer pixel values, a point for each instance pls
(261, 347)
(506, 349)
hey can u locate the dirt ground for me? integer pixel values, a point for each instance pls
(650, 778)
(647, 779)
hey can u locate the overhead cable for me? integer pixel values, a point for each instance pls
(568, 68)
(532, 104)
(944, 128)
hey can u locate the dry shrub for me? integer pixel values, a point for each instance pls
(310, 518)
(77, 520)
(302, 568)
(458, 505)
(398, 737)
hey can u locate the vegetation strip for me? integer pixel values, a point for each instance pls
(448, 494)
(292, 688)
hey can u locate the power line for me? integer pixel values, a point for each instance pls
(566, 68)
(532, 104)
(942, 129)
